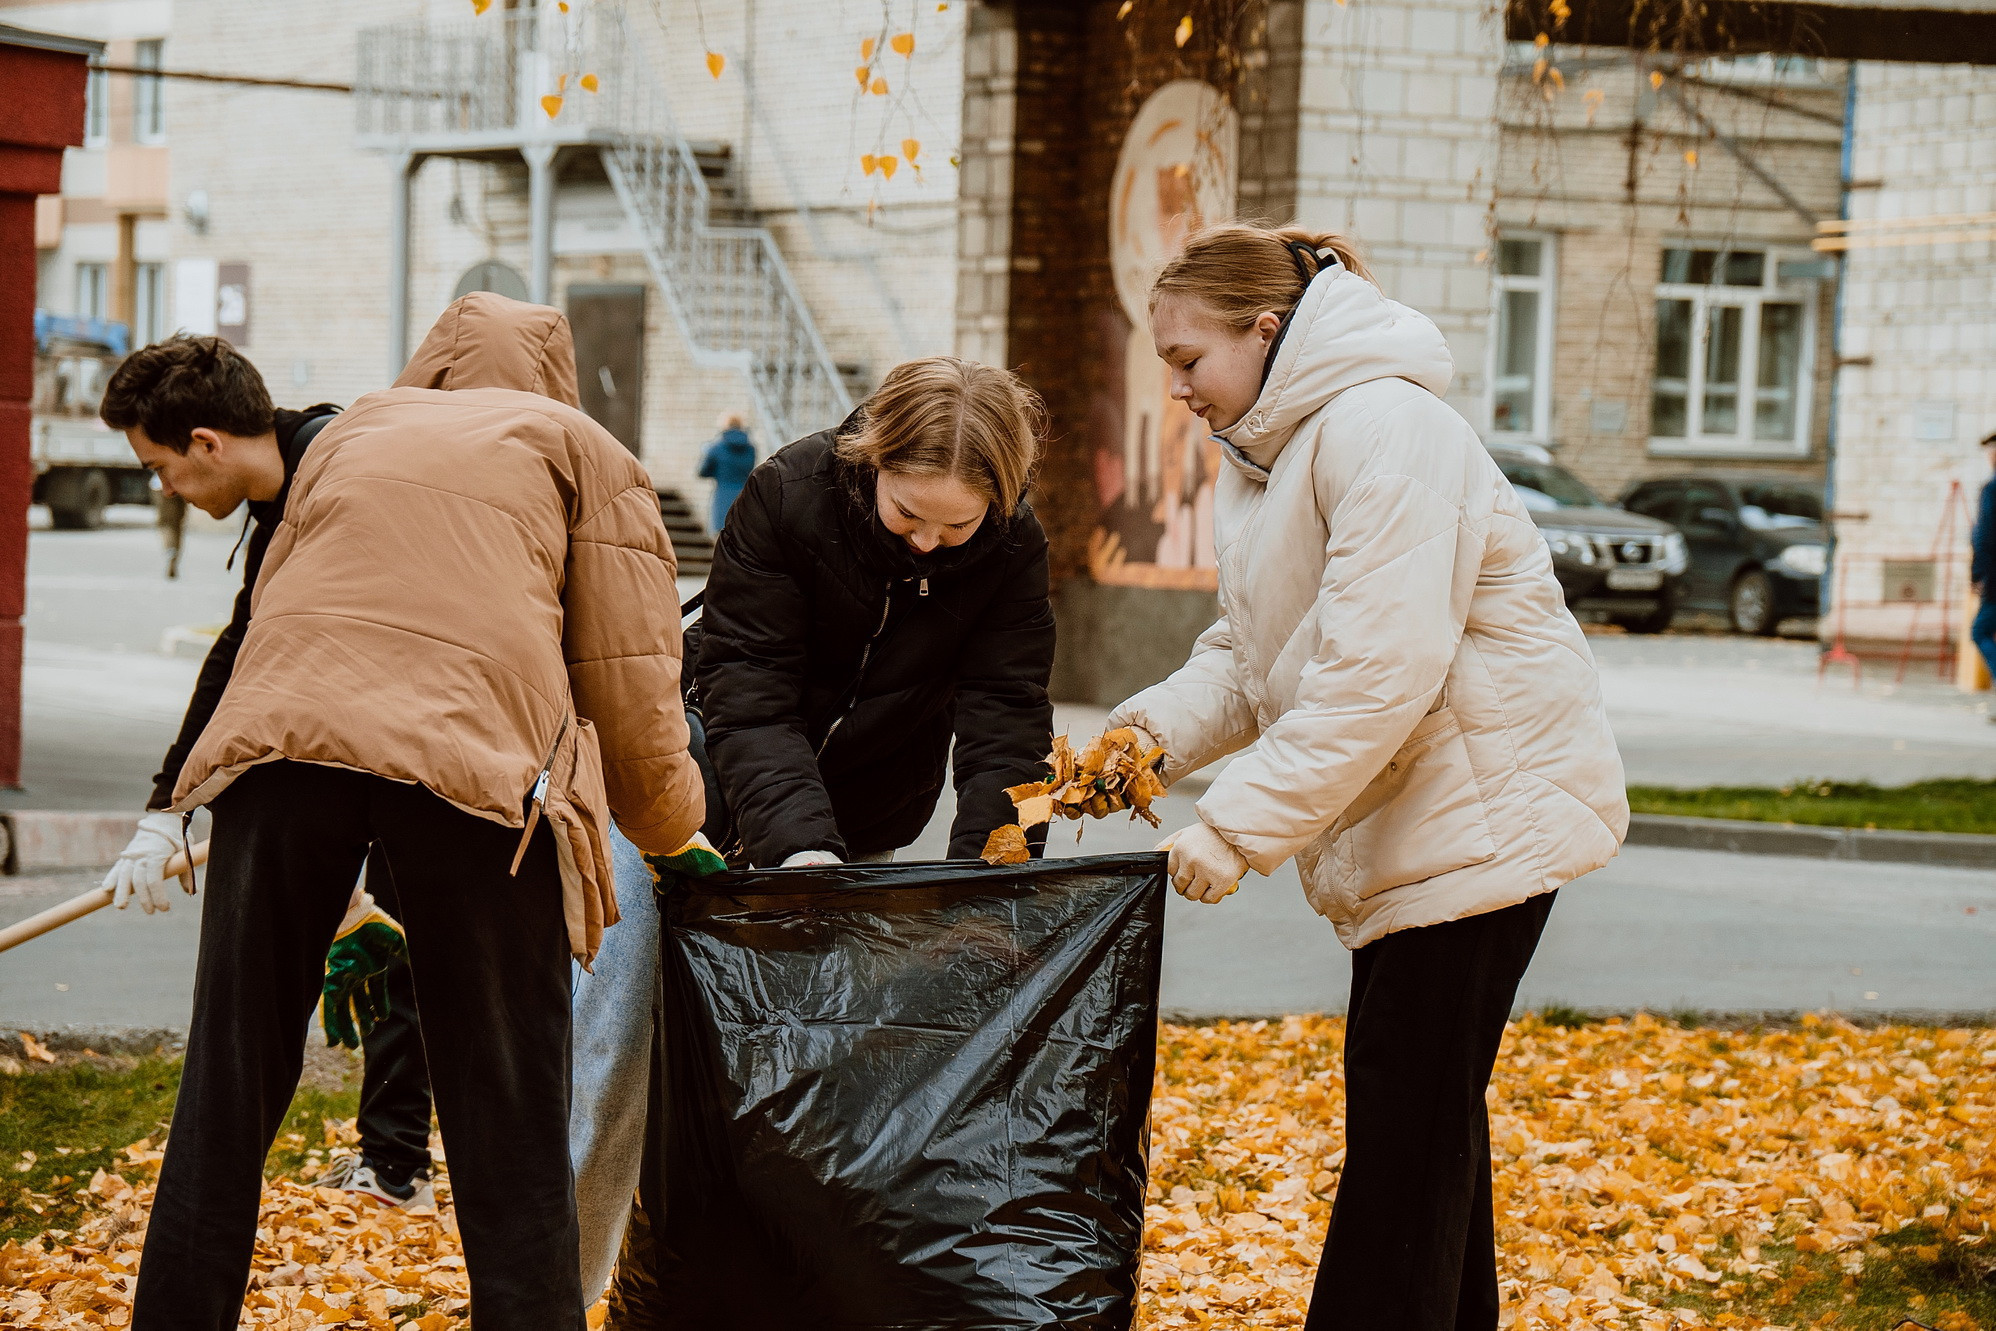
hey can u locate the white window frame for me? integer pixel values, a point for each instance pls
(1546, 285)
(1703, 297)
(149, 93)
(96, 109)
(148, 303)
(97, 276)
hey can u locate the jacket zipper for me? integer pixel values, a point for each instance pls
(538, 797)
(866, 654)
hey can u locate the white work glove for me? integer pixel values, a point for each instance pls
(141, 866)
(1204, 865)
(807, 857)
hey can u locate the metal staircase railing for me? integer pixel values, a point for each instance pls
(476, 88)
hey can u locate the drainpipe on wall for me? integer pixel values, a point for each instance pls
(1825, 591)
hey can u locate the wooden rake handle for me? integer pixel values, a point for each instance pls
(96, 899)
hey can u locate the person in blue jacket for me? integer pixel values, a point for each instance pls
(727, 463)
(1982, 567)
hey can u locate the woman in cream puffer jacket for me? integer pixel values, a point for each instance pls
(1422, 720)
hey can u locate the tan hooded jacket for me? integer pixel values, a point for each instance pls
(471, 581)
(1422, 717)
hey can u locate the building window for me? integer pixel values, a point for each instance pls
(93, 290)
(1521, 373)
(96, 109)
(148, 304)
(1763, 68)
(1733, 355)
(149, 94)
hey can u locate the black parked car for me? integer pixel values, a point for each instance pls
(1756, 542)
(1607, 559)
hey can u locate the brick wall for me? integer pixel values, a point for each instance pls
(1398, 146)
(1599, 166)
(1918, 390)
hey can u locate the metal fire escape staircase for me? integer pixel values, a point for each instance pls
(483, 90)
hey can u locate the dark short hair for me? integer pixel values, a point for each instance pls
(186, 383)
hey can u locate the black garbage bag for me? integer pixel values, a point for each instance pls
(908, 1096)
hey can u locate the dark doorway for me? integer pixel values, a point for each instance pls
(609, 327)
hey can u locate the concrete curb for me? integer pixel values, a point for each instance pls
(44, 839)
(1940, 849)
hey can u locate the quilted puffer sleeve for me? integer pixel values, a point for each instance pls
(621, 641)
(1201, 713)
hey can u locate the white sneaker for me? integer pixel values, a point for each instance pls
(353, 1173)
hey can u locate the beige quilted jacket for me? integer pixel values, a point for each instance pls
(1422, 719)
(471, 581)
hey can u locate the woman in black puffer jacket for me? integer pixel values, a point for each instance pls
(878, 613)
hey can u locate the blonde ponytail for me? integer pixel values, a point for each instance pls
(1240, 270)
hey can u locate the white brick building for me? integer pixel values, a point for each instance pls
(1917, 389)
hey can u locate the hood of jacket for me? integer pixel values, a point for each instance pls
(485, 340)
(1344, 332)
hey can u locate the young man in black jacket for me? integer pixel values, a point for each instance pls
(199, 417)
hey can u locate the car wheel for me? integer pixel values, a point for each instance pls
(1752, 604)
(77, 497)
(1656, 621)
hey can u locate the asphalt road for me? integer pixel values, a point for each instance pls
(1658, 928)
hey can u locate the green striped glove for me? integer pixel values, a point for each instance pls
(355, 996)
(696, 859)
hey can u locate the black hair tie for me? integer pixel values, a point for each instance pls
(1310, 261)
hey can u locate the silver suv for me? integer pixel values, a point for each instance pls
(1619, 564)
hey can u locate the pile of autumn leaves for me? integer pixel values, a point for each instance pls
(1636, 1162)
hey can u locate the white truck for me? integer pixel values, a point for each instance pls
(81, 465)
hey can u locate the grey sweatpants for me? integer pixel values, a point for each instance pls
(611, 1067)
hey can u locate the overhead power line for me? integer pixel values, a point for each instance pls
(240, 80)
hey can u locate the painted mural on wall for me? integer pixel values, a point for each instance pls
(1155, 465)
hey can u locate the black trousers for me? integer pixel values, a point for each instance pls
(1412, 1243)
(394, 1120)
(490, 959)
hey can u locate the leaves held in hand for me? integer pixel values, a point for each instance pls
(1115, 772)
(1007, 845)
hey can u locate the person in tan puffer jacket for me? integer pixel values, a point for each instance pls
(463, 647)
(1418, 720)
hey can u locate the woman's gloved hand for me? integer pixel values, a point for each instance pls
(1204, 865)
(355, 996)
(141, 865)
(808, 857)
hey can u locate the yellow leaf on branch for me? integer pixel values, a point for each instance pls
(1122, 11)
(1690, 157)
(879, 88)
(1184, 31)
(869, 163)
(911, 149)
(862, 74)
(888, 165)
(480, 6)
(866, 49)
(903, 43)
(552, 105)
(1656, 78)
(590, 83)
(716, 62)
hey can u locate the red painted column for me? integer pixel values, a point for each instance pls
(45, 81)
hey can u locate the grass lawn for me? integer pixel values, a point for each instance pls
(59, 1125)
(1648, 1176)
(1925, 806)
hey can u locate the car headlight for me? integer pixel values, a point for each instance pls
(1569, 544)
(1804, 561)
(1674, 556)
